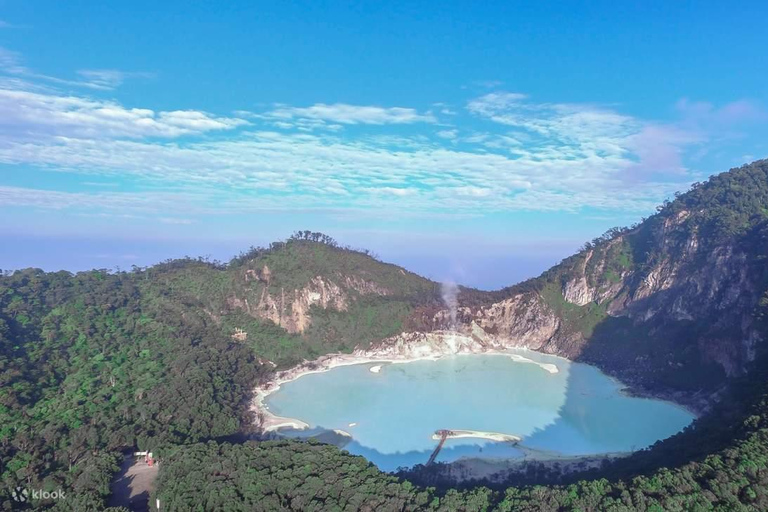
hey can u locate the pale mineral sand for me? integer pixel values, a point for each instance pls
(551, 368)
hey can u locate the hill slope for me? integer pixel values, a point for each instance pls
(297, 299)
(97, 362)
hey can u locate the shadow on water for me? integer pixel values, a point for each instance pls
(598, 418)
(580, 443)
(394, 461)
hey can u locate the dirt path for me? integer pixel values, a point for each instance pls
(133, 485)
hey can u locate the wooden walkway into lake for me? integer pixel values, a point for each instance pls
(443, 436)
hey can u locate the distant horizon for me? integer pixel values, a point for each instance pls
(477, 143)
(53, 254)
(498, 270)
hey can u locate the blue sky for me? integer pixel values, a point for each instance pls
(479, 143)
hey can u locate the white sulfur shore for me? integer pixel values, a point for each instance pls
(493, 436)
(549, 367)
(406, 348)
(277, 422)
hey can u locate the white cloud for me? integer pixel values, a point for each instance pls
(703, 113)
(59, 200)
(10, 62)
(343, 113)
(448, 134)
(544, 157)
(495, 102)
(517, 154)
(97, 79)
(261, 170)
(569, 122)
(31, 115)
(659, 149)
(175, 220)
(108, 79)
(488, 84)
(583, 131)
(392, 191)
(472, 191)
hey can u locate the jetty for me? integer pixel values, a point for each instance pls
(443, 436)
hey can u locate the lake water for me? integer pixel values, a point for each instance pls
(576, 411)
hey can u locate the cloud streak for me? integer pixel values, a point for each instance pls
(38, 116)
(109, 79)
(97, 79)
(342, 113)
(642, 149)
(511, 154)
(264, 169)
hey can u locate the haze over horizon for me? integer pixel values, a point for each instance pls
(480, 144)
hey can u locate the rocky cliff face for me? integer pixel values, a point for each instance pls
(646, 302)
(524, 319)
(291, 308)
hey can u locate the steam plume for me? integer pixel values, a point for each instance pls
(450, 293)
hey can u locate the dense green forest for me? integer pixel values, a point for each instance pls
(98, 362)
(94, 363)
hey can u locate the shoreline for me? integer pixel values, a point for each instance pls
(439, 345)
(413, 347)
(433, 346)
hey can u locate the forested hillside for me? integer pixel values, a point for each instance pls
(165, 358)
(94, 363)
(98, 362)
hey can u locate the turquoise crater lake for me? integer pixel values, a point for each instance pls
(392, 414)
